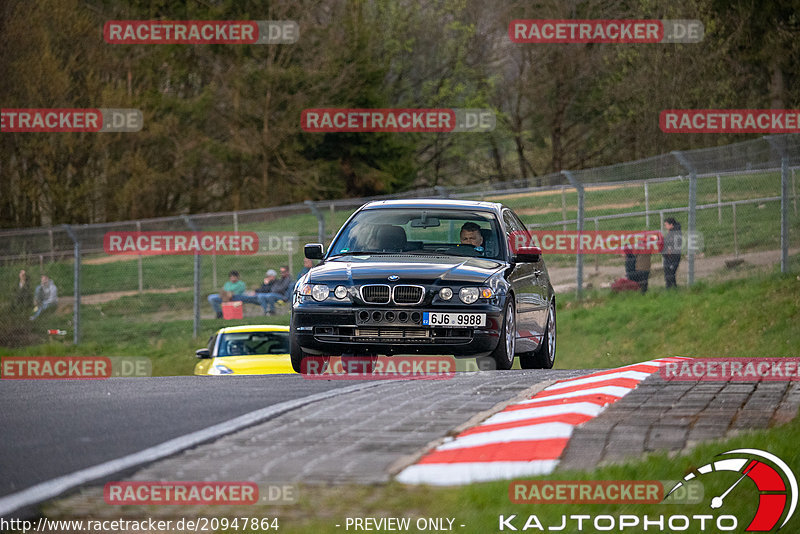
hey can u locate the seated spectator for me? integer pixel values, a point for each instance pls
(259, 296)
(233, 290)
(281, 289)
(637, 268)
(22, 296)
(45, 296)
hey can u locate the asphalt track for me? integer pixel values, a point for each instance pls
(62, 434)
(54, 427)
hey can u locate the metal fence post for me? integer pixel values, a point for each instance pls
(320, 220)
(719, 199)
(196, 307)
(692, 209)
(646, 206)
(579, 261)
(735, 233)
(76, 284)
(139, 260)
(779, 145)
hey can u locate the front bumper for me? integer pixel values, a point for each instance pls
(324, 330)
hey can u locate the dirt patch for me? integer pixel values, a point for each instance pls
(542, 211)
(497, 198)
(100, 298)
(102, 260)
(563, 278)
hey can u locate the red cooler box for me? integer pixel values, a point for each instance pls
(232, 310)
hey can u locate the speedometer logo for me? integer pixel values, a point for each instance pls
(776, 483)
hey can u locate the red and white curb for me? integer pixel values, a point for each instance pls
(528, 437)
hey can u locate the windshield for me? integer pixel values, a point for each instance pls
(247, 343)
(414, 231)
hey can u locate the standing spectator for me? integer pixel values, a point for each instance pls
(281, 290)
(22, 296)
(673, 241)
(45, 296)
(307, 265)
(232, 290)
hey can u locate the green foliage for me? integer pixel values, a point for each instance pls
(222, 122)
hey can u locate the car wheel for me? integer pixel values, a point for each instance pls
(545, 356)
(313, 364)
(503, 355)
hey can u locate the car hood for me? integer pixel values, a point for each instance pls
(423, 269)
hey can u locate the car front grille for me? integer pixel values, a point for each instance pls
(408, 294)
(393, 333)
(375, 294)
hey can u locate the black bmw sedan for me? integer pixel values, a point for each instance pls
(427, 276)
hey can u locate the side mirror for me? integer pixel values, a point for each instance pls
(203, 354)
(313, 251)
(528, 254)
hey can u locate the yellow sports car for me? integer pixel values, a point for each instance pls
(246, 350)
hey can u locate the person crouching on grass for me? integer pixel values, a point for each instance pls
(45, 296)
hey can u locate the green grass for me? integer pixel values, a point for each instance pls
(750, 317)
(755, 316)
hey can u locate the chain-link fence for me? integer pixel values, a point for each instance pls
(735, 205)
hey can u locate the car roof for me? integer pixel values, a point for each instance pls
(433, 203)
(253, 328)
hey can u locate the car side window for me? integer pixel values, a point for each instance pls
(512, 229)
(211, 342)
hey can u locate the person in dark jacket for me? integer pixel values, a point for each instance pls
(280, 289)
(673, 240)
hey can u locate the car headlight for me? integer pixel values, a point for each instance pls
(468, 295)
(220, 370)
(318, 292)
(340, 292)
(445, 293)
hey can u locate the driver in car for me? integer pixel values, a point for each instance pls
(471, 235)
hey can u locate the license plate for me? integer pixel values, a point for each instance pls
(453, 319)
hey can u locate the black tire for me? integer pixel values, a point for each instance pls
(545, 356)
(296, 355)
(503, 355)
